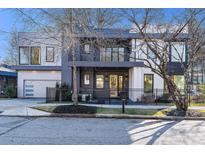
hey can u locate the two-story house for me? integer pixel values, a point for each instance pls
(106, 65)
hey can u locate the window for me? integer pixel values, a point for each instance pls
(99, 81)
(132, 56)
(87, 48)
(86, 79)
(24, 55)
(121, 54)
(150, 54)
(179, 81)
(178, 52)
(115, 54)
(120, 78)
(102, 54)
(133, 44)
(108, 54)
(49, 54)
(112, 54)
(148, 83)
(35, 55)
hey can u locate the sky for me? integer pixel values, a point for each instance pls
(9, 20)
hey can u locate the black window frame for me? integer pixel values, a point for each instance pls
(47, 54)
(105, 55)
(84, 79)
(31, 55)
(152, 83)
(170, 50)
(20, 55)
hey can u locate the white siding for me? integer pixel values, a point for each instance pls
(37, 76)
(43, 40)
(136, 82)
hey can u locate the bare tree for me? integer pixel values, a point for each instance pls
(12, 50)
(184, 27)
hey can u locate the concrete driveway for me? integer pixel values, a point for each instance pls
(7, 104)
(16, 130)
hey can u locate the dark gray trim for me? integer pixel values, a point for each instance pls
(37, 68)
(106, 64)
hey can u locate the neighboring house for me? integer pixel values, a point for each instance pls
(103, 71)
(8, 77)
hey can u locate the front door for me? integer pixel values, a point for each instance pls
(113, 85)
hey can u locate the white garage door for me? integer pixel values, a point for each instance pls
(37, 88)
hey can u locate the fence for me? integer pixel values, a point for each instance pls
(107, 96)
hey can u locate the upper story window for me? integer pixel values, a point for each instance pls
(102, 54)
(115, 54)
(108, 54)
(112, 54)
(50, 54)
(121, 54)
(24, 55)
(87, 48)
(178, 52)
(35, 55)
(150, 54)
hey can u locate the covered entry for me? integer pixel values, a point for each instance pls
(103, 83)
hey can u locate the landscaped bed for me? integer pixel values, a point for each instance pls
(82, 109)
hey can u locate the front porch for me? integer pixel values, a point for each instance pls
(103, 84)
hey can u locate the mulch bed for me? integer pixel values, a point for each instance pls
(74, 109)
(188, 113)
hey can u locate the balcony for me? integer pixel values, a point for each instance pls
(95, 60)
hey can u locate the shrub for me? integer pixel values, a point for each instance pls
(165, 98)
(10, 92)
(148, 98)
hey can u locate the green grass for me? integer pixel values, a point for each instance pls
(198, 104)
(101, 110)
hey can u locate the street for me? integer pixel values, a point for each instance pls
(18, 130)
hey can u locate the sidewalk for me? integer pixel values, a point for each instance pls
(29, 111)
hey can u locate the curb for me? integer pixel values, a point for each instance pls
(114, 116)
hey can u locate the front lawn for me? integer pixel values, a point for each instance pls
(198, 104)
(81, 109)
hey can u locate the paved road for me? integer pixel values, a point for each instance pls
(15, 130)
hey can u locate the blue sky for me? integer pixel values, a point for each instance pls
(9, 20)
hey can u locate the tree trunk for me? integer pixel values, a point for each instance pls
(75, 91)
(179, 99)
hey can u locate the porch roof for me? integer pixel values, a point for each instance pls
(127, 64)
